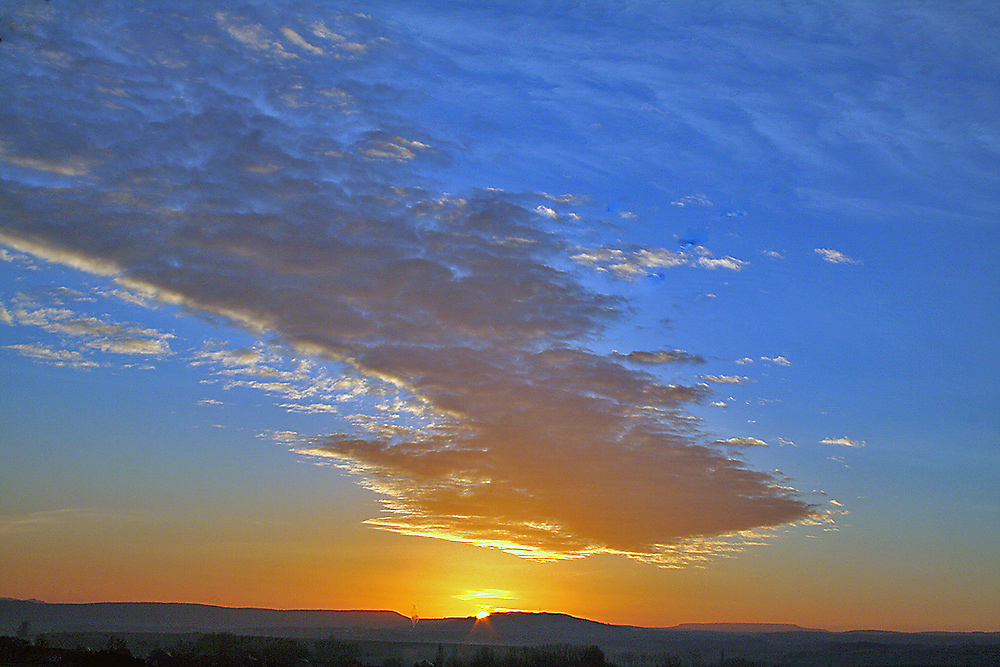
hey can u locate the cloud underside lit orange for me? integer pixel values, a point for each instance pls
(557, 454)
(536, 446)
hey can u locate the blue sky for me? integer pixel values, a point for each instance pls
(631, 292)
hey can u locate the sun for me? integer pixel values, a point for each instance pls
(483, 614)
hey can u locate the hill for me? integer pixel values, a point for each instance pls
(381, 636)
(170, 617)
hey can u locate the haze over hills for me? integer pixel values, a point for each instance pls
(385, 634)
(741, 627)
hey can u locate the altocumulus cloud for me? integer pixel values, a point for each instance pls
(844, 441)
(85, 331)
(293, 200)
(726, 379)
(633, 263)
(742, 442)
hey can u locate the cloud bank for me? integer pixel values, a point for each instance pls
(265, 182)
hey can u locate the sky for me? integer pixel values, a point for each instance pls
(644, 312)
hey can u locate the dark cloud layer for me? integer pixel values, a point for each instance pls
(260, 167)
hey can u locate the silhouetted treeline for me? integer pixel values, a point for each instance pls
(226, 650)
(541, 656)
(695, 660)
(97, 649)
(213, 650)
(20, 651)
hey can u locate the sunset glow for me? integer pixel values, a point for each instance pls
(647, 313)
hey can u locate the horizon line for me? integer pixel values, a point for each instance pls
(706, 626)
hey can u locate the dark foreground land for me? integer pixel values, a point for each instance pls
(185, 635)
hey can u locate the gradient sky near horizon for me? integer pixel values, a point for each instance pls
(645, 312)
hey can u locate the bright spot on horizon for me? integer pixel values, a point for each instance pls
(482, 615)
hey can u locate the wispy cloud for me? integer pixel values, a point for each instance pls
(86, 331)
(37, 521)
(314, 387)
(486, 594)
(692, 200)
(835, 256)
(71, 358)
(742, 442)
(844, 441)
(726, 379)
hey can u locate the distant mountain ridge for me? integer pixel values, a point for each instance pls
(390, 634)
(184, 617)
(743, 627)
(175, 617)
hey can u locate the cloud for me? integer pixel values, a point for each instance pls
(252, 35)
(311, 408)
(726, 379)
(393, 147)
(730, 263)
(835, 256)
(70, 166)
(741, 442)
(692, 200)
(125, 344)
(97, 333)
(634, 263)
(11, 524)
(258, 201)
(70, 358)
(844, 441)
(778, 361)
(313, 386)
(486, 594)
(300, 41)
(661, 357)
